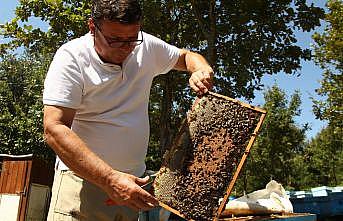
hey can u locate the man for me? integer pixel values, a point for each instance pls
(96, 112)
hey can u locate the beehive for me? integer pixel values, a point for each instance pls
(206, 157)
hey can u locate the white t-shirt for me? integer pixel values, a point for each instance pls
(111, 102)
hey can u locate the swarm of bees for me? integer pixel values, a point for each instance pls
(199, 166)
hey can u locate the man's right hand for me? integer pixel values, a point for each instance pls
(124, 189)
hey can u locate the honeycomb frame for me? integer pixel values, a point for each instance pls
(197, 169)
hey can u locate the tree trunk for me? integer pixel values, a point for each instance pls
(212, 36)
(166, 110)
(209, 29)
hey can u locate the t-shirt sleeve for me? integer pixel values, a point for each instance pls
(63, 84)
(165, 55)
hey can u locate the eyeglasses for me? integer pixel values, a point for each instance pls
(118, 44)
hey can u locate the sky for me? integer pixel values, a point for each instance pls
(306, 83)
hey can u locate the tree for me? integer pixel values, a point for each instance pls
(329, 56)
(243, 40)
(323, 159)
(66, 19)
(324, 153)
(280, 140)
(21, 119)
(248, 39)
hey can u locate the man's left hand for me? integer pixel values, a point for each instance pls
(201, 81)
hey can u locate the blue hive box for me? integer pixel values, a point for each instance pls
(321, 191)
(324, 206)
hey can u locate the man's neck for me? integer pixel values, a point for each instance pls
(107, 61)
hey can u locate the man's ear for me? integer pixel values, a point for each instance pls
(91, 26)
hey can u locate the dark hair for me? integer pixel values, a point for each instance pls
(123, 11)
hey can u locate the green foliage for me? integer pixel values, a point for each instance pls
(329, 55)
(324, 153)
(243, 40)
(323, 159)
(280, 141)
(281, 153)
(328, 49)
(21, 84)
(252, 39)
(66, 19)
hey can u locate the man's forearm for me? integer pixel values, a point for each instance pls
(76, 155)
(195, 62)
(191, 62)
(201, 72)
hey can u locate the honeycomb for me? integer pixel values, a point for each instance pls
(199, 166)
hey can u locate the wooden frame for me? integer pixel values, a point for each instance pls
(241, 161)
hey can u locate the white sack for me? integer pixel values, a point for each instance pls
(272, 199)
